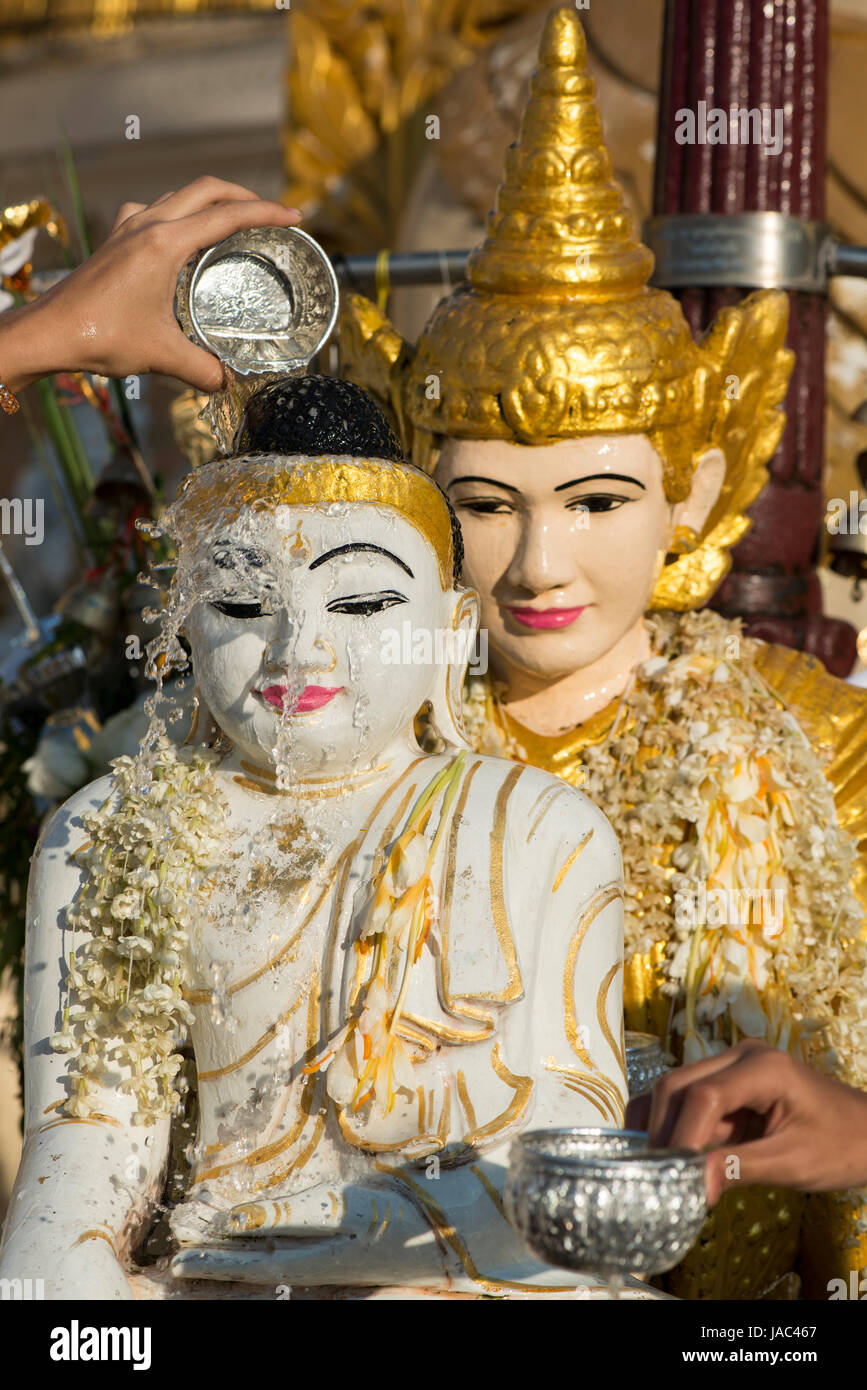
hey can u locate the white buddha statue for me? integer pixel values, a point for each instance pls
(389, 962)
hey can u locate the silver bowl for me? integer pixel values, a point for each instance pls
(264, 300)
(602, 1200)
(645, 1062)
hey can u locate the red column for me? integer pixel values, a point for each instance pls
(774, 54)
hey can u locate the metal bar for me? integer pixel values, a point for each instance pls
(449, 267)
(19, 598)
(399, 268)
(847, 260)
(402, 268)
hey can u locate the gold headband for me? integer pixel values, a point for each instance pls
(218, 492)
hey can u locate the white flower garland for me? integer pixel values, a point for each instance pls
(702, 757)
(154, 847)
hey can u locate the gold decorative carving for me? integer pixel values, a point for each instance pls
(96, 1234)
(600, 900)
(358, 74)
(268, 1036)
(443, 1228)
(616, 1045)
(600, 1090)
(571, 860)
(192, 432)
(23, 217)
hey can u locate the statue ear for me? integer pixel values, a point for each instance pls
(707, 482)
(204, 729)
(447, 695)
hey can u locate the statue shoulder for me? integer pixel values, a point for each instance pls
(832, 713)
(55, 878)
(67, 819)
(53, 871)
(548, 824)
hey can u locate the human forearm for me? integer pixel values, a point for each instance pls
(32, 345)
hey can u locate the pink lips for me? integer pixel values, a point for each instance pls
(312, 697)
(546, 618)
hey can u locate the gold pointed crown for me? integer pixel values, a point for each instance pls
(557, 332)
(562, 230)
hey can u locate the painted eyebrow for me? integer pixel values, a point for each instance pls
(246, 552)
(361, 545)
(605, 477)
(492, 482)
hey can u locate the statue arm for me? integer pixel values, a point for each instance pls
(579, 1038)
(84, 1184)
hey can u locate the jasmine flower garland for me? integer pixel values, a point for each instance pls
(702, 757)
(153, 851)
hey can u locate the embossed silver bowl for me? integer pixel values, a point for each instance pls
(645, 1062)
(264, 300)
(601, 1200)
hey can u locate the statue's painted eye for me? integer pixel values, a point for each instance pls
(599, 502)
(363, 605)
(238, 610)
(484, 506)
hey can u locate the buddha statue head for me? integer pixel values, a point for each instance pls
(599, 458)
(298, 560)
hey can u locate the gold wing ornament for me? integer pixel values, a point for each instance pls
(374, 355)
(360, 80)
(330, 130)
(191, 428)
(23, 217)
(740, 385)
(19, 225)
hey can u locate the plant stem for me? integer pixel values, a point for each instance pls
(71, 518)
(66, 455)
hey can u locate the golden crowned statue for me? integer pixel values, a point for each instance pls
(734, 773)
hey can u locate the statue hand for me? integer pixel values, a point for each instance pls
(324, 1210)
(326, 1234)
